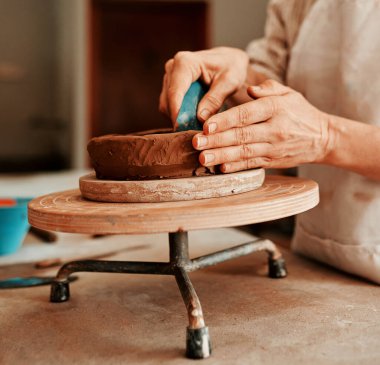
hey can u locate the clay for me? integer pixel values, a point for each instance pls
(146, 155)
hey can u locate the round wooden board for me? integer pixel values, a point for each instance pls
(278, 197)
(166, 190)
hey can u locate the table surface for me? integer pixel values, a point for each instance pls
(41, 183)
(278, 197)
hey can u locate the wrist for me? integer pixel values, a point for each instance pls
(330, 140)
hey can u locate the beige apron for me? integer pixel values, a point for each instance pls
(335, 64)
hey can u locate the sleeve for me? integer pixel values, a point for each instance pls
(270, 55)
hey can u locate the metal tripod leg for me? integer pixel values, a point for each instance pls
(198, 344)
(60, 290)
(197, 336)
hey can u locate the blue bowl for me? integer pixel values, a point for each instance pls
(13, 225)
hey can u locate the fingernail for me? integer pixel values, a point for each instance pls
(211, 127)
(202, 141)
(205, 114)
(256, 88)
(209, 157)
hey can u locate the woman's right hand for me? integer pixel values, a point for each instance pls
(223, 69)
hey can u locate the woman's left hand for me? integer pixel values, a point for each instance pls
(278, 129)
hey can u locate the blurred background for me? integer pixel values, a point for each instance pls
(74, 69)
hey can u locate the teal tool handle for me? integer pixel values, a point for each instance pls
(187, 116)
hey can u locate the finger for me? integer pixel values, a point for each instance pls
(252, 163)
(184, 71)
(221, 88)
(255, 133)
(245, 114)
(163, 100)
(235, 153)
(162, 105)
(268, 88)
(169, 66)
(168, 72)
(256, 162)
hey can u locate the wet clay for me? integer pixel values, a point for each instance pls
(146, 155)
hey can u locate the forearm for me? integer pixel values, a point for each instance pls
(354, 146)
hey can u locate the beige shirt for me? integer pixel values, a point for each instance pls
(329, 50)
(270, 55)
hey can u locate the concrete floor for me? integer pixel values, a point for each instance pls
(315, 316)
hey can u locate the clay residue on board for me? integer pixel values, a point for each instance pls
(146, 156)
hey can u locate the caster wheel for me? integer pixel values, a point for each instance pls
(198, 344)
(277, 268)
(60, 292)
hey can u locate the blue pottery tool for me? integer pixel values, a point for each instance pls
(13, 283)
(187, 116)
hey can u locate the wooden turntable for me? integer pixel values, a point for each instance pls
(69, 211)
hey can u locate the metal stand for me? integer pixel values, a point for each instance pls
(197, 340)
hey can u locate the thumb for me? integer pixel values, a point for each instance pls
(268, 88)
(214, 99)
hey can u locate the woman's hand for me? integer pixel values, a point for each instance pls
(279, 129)
(223, 69)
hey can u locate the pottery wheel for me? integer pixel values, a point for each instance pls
(278, 197)
(163, 190)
